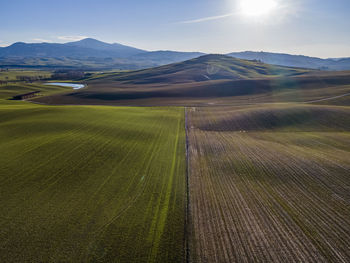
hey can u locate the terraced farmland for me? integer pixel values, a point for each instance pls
(269, 183)
(91, 184)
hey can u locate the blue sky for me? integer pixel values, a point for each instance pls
(310, 27)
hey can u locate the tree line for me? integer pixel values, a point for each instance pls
(57, 75)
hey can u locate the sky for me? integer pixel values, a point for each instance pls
(318, 28)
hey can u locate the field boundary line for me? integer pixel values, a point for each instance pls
(329, 98)
(187, 206)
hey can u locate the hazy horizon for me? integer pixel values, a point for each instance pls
(299, 27)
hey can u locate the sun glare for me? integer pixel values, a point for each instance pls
(256, 8)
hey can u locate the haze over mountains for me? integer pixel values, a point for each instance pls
(80, 49)
(94, 54)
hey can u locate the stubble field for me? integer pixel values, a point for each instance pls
(269, 183)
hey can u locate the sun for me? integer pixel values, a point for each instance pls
(255, 8)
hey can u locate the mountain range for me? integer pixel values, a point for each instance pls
(81, 49)
(94, 54)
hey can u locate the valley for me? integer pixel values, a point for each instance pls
(175, 131)
(214, 159)
(207, 81)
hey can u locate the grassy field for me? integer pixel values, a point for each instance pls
(97, 184)
(11, 75)
(7, 92)
(13, 86)
(269, 183)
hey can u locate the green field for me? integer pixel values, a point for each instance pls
(11, 75)
(91, 184)
(8, 91)
(262, 174)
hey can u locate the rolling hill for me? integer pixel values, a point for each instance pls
(207, 80)
(163, 57)
(295, 60)
(263, 178)
(204, 68)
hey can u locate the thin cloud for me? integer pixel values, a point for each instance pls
(40, 40)
(205, 19)
(71, 38)
(3, 44)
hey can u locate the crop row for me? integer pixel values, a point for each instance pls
(268, 195)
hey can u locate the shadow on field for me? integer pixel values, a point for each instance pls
(283, 118)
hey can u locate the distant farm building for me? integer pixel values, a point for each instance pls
(26, 96)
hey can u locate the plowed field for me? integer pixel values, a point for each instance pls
(269, 184)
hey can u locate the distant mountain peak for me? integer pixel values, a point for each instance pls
(103, 46)
(18, 44)
(88, 40)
